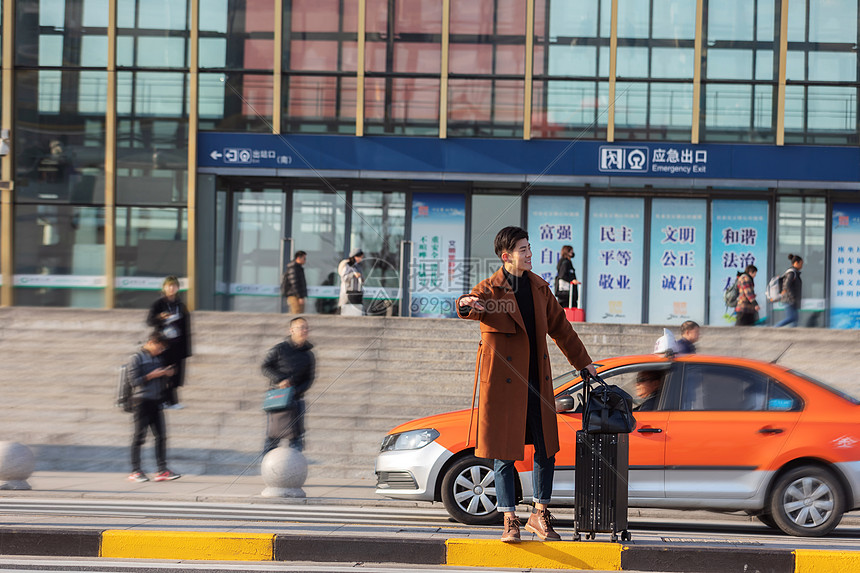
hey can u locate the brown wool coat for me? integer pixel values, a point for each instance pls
(504, 365)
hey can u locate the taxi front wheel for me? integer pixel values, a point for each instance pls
(469, 491)
(807, 502)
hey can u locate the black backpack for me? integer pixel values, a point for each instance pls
(124, 388)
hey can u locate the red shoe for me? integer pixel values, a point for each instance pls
(138, 477)
(166, 475)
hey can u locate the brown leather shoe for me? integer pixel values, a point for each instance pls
(540, 523)
(512, 530)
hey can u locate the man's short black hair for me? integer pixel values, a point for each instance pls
(507, 239)
(689, 325)
(300, 254)
(297, 319)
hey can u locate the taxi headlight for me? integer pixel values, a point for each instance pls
(411, 440)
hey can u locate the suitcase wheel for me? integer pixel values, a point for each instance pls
(625, 535)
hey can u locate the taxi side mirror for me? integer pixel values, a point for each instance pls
(564, 403)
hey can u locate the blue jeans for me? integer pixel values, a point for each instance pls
(542, 474)
(791, 317)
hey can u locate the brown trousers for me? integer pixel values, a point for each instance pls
(296, 307)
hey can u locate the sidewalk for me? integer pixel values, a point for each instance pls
(702, 549)
(200, 488)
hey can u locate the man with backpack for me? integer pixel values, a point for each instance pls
(147, 376)
(791, 290)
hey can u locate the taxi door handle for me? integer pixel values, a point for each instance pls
(768, 430)
(649, 430)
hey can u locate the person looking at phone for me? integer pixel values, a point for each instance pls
(148, 375)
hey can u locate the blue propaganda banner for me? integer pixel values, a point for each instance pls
(615, 249)
(438, 234)
(738, 239)
(678, 241)
(554, 222)
(845, 266)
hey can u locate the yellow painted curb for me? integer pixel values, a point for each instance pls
(818, 561)
(534, 554)
(187, 545)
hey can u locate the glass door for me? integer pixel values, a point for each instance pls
(248, 257)
(318, 228)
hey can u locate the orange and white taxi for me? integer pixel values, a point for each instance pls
(726, 434)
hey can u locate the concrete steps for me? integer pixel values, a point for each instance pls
(58, 375)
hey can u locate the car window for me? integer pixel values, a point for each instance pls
(780, 399)
(563, 379)
(714, 387)
(826, 386)
(625, 378)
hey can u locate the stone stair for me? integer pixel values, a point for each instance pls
(58, 377)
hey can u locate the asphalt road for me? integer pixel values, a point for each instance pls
(666, 527)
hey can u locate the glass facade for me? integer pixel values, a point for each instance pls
(320, 55)
(237, 46)
(570, 92)
(740, 70)
(418, 76)
(821, 72)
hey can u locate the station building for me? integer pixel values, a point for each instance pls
(670, 142)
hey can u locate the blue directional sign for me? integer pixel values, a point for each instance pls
(528, 158)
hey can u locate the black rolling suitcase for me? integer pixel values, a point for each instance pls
(601, 485)
(600, 480)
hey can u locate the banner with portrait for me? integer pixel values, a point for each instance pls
(613, 291)
(678, 261)
(553, 223)
(738, 239)
(438, 235)
(845, 266)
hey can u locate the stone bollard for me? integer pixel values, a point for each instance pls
(16, 465)
(284, 471)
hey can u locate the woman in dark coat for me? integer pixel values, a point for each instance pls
(169, 316)
(565, 279)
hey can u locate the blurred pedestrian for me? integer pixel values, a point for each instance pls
(328, 304)
(290, 364)
(517, 310)
(747, 307)
(351, 284)
(566, 285)
(792, 291)
(689, 336)
(148, 374)
(293, 285)
(169, 316)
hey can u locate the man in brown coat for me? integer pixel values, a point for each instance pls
(517, 310)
